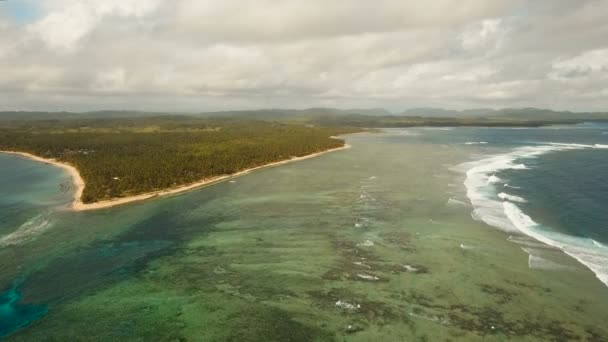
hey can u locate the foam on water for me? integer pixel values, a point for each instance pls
(527, 241)
(511, 198)
(453, 201)
(507, 185)
(27, 231)
(493, 179)
(598, 244)
(504, 215)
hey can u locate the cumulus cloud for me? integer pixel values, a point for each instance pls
(68, 21)
(208, 55)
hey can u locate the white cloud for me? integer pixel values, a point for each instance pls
(68, 21)
(200, 55)
(588, 64)
(480, 33)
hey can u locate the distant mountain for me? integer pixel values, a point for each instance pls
(433, 112)
(109, 114)
(448, 113)
(23, 115)
(368, 111)
(546, 114)
(506, 113)
(311, 114)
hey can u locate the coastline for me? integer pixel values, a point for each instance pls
(78, 205)
(77, 180)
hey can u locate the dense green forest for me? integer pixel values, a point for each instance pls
(126, 156)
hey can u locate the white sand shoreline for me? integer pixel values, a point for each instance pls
(78, 205)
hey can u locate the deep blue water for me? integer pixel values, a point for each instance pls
(548, 183)
(565, 190)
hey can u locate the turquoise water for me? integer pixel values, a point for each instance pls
(15, 315)
(28, 189)
(372, 243)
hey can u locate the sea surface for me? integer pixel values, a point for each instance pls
(412, 234)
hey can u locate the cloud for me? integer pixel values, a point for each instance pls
(478, 34)
(588, 63)
(208, 55)
(68, 21)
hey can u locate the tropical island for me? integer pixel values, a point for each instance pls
(117, 157)
(115, 161)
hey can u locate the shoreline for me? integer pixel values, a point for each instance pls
(78, 205)
(77, 180)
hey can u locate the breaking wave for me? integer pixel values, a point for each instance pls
(26, 232)
(498, 210)
(511, 198)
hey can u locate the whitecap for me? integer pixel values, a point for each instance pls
(511, 198)
(493, 179)
(508, 217)
(479, 172)
(586, 253)
(476, 143)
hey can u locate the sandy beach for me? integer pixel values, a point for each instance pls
(78, 205)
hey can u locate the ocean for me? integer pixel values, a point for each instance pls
(411, 234)
(551, 185)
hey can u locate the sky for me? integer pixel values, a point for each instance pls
(202, 55)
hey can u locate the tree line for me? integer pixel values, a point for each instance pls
(123, 157)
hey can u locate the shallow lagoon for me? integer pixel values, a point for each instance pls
(363, 244)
